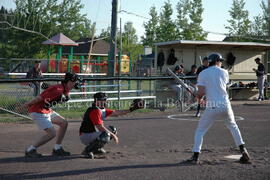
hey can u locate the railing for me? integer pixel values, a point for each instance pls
(15, 92)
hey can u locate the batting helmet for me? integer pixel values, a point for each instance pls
(215, 57)
(100, 96)
(74, 78)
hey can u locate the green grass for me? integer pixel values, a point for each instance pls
(9, 118)
(79, 112)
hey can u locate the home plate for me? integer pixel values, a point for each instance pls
(233, 156)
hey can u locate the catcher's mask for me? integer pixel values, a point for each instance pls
(73, 78)
(100, 96)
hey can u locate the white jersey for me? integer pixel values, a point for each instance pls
(215, 80)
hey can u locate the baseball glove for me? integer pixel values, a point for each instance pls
(137, 104)
(44, 85)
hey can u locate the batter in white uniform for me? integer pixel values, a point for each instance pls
(212, 83)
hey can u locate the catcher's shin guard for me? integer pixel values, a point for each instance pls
(113, 130)
(98, 143)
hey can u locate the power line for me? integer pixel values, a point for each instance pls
(134, 14)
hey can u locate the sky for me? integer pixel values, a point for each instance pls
(215, 15)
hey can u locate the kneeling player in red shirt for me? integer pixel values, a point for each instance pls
(93, 133)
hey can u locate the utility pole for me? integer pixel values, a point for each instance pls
(113, 42)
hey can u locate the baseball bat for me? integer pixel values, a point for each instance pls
(12, 112)
(180, 81)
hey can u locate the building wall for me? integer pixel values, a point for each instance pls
(188, 56)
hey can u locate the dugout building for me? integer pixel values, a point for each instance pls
(187, 52)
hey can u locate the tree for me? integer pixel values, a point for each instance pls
(167, 29)
(129, 35)
(266, 17)
(257, 27)
(47, 17)
(105, 33)
(195, 16)
(130, 41)
(189, 19)
(183, 8)
(150, 28)
(5, 48)
(239, 24)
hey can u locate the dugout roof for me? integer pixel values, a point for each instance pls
(214, 44)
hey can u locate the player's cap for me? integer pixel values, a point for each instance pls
(178, 67)
(205, 59)
(100, 96)
(257, 59)
(215, 57)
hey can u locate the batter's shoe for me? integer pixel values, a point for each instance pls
(88, 155)
(245, 158)
(100, 151)
(193, 160)
(198, 114)
(32, 154)
(60, 152)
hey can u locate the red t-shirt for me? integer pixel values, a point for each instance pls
(52, 93)
(96, 116)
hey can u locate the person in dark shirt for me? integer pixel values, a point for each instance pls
(260, 72)
(205, 64)
(93, 132)
(193, 71)
(34, 73)
(179, 71)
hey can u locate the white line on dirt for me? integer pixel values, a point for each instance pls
(191, 117)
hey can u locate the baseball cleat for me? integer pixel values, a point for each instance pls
(60, 152)
(193, 160)
(32, 154)
(88, 155)
(100, 151)
(245, 158)
(197, 114)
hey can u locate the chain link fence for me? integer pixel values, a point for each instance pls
(16, 92)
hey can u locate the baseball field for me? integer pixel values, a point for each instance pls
(153, 145)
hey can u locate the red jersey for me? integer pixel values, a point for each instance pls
(54, 92)
(94, 116)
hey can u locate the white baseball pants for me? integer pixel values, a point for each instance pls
(206, 121)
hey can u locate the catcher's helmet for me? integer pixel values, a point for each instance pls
(215, 57)
(100, 96)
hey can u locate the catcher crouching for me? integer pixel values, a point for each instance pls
(93, 133)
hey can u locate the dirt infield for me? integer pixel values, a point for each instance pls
(152, 146)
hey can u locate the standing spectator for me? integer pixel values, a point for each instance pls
(260, 72)
(34, 73)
